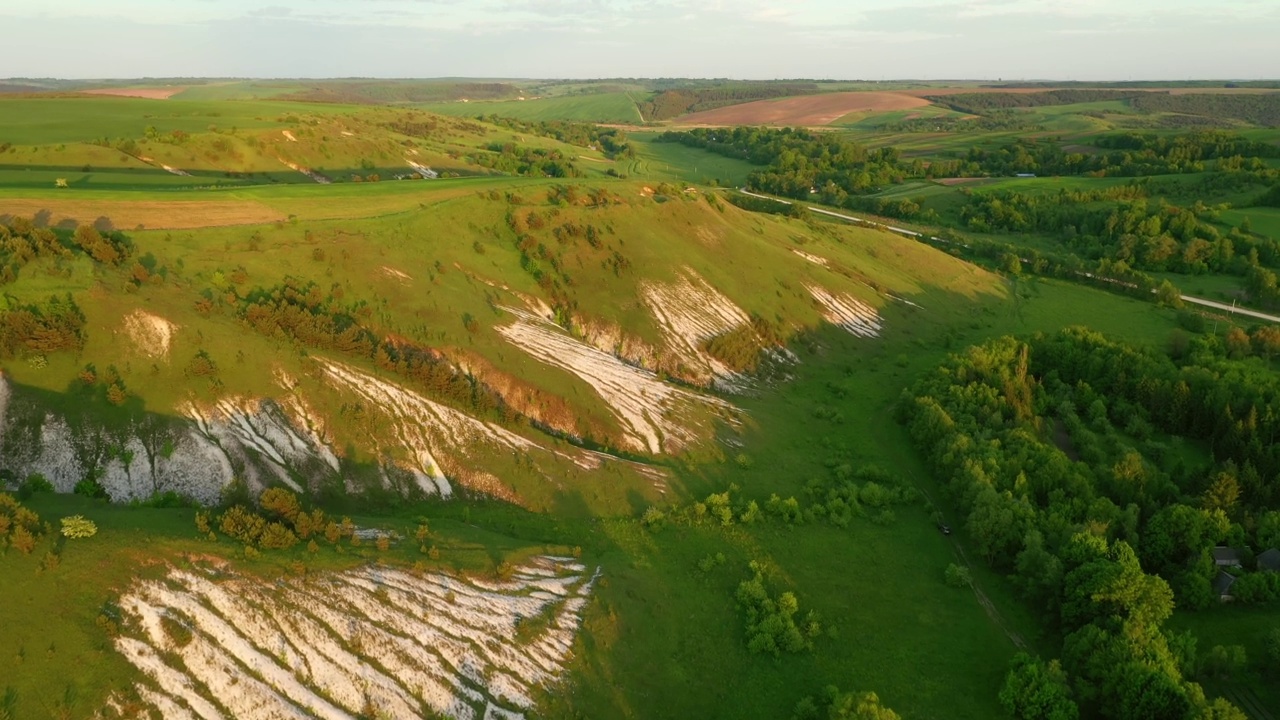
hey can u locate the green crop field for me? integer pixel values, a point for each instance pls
(40, 121)
(671, 161)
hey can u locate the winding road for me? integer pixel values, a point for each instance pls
(1232, 309)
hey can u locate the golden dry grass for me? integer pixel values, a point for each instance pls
(149, 93)
(805, 110)
(152, 215)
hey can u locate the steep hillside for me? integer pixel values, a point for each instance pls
(552, 328)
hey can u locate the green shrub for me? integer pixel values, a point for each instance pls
(279, 504)
(34, 483)
(91, 488)
(958, 576)
(771, 625)
(78, 527)
(1272, 645)
(241, 524)
(653, 518)
(277, 537)
(711, 562)
(1224, 662)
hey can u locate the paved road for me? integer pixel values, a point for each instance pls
(1232, 309)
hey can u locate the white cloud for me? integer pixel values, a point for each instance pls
(564, 38)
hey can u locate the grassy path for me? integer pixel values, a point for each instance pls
(992, 612)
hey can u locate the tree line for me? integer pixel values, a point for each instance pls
(1106, 542)
(799, 163)
(981, 103)
(1125, 155)
(301, 312)
(1256, 108)
(22, 241)
(1124, 225)
(513, 159)
(611, 141)
(34, 329)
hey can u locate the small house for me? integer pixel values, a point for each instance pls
(1269, 560)
(1222, 586)
(1226, 557)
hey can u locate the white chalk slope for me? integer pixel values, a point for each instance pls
(370, 641)
(847, 312)
(656, 416)
(690, 312)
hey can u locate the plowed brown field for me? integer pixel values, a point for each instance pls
(804, 110)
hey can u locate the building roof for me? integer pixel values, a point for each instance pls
(1226, 555)
(1269, 560)
(1222, 584)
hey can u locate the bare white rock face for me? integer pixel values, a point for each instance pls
(214, 645)
(690, 311)
(151, 334)
(847, 312)
(815, 259)
(657, 416)
(422, 446)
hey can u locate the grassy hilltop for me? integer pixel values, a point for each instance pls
(548, 393)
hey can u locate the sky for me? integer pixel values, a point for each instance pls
(748, 39)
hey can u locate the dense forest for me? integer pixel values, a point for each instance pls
(1126, 224)
(800, 163)
(981, 103)
(1256, 108)
(1118, 155)
(1101, 477)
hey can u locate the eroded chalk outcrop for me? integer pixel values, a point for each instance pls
(368, 641)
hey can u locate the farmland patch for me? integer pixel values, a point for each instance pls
(805, 110)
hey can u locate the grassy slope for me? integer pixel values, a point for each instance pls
(37, 121)
(900, 630)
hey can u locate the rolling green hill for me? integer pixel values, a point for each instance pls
(563, 432)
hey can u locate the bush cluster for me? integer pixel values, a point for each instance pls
(771, 623)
